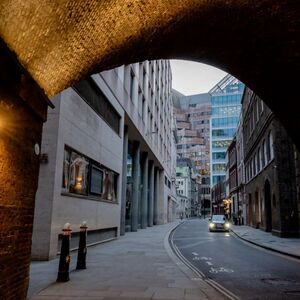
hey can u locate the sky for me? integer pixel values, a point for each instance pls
(190, 78)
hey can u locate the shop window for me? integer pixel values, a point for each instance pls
(83, 176)
(109, 186)
(78, 172)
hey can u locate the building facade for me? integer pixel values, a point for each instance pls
(185, 184)
(193, 115)
(241, 194)
(226, 106)
(272, 203)
(106, 152)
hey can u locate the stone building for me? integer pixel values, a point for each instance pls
(241, 171)
(106, 152)
(270, 170)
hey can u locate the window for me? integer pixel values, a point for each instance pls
(268, 149)
(219, 167)
(265, 152)
(132, 78)
(84, 176)
(271, 145)
(96, 180)
(109, 186)
(75, 171)
(93, 96)
(262, 155)
(221, 144)
(258, 160)
(223, 133)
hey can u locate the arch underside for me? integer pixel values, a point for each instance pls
(61, 42)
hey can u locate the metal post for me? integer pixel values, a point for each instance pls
(64, 260)
(81, 256)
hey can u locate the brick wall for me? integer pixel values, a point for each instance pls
(22, 112)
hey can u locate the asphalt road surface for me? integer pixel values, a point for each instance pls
(247, 271)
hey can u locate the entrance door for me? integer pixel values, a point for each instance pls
(250, 210)
(268, 206)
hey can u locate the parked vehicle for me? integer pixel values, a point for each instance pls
(218, 223)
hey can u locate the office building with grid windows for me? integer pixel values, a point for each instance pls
(225, 112)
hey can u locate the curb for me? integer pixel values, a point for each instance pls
(265, 247)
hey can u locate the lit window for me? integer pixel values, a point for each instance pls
(83, 176)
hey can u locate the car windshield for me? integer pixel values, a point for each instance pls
(218, 218)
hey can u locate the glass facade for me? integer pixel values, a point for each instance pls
(226, 107)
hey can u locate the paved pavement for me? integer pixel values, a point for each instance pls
(139, 265)
(287, 246)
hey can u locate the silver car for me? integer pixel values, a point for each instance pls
(218, 223)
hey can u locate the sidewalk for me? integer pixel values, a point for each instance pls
(139, 265)
(288, 246)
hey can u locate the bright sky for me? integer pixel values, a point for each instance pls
(190, 78)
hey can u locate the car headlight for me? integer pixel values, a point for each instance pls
(227, 225)
(211, 225)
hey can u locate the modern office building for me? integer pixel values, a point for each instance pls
(106, 157)
(193, 115)
(225, 112)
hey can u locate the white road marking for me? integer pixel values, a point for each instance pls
(220, 270)
(205, 258)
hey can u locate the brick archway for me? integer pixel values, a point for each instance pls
(61, 42)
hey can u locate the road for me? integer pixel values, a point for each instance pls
(249, 272)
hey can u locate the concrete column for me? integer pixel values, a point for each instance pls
(151, 194)
(144, 202)
(124, 181)
(162, 203)
(135, 186)
(156, 196)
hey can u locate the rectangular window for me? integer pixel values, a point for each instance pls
(93, 96)
(83, 176)
(96, 180)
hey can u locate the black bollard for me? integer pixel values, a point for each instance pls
(64, 260)
(81, 257)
